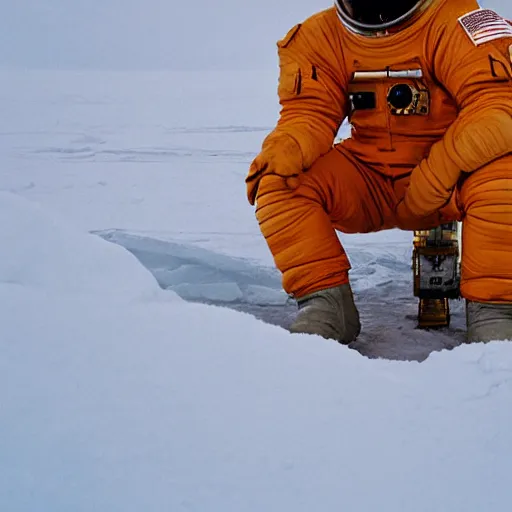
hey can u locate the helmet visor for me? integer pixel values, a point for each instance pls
(376, 12)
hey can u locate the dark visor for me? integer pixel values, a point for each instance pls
(375, 12)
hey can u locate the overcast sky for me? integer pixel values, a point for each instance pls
(146, 33)
(134, 34)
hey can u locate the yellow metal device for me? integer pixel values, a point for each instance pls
(436, 267)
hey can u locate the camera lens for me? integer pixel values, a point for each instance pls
(400, 96)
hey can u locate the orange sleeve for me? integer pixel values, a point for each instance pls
(312, 90)
(479, 78)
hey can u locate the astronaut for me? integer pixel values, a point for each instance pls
(427, 88)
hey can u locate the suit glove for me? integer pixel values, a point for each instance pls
(410, 221)
(280, 156)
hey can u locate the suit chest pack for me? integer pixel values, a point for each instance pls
(405, 91)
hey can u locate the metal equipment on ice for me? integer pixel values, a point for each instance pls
(436, 267)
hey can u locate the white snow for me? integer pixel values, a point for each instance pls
(157, 404)
(121, 191)
(45, 254)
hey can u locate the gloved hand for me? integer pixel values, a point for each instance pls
(408, 221)
(280, 156)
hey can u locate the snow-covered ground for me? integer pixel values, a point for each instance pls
(116, 394)
(156, 162)
(132, 377)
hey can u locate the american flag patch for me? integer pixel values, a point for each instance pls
(485, 25)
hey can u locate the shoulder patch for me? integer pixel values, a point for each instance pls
(283, 43)
(484, 25)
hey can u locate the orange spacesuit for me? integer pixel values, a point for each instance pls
(430, 104)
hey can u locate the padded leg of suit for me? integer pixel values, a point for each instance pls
(487, 233)
(299, 226)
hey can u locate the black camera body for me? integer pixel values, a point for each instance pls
(405, 99)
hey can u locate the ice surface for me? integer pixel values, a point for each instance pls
(42, 253)
(117, 395)
(156, 162)
(109, 404)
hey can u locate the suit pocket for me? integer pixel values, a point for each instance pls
(290, 80)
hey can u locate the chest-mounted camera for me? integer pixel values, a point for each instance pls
(406, 100)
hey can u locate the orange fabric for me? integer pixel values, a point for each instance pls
(468, 129)
(337, 192)
(482, 131)
(486, 197)
(314, 105)
(280, 156)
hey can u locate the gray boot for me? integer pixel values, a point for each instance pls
(329, 313)
(488, 322)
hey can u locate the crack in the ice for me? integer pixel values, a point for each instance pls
(387, 307)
